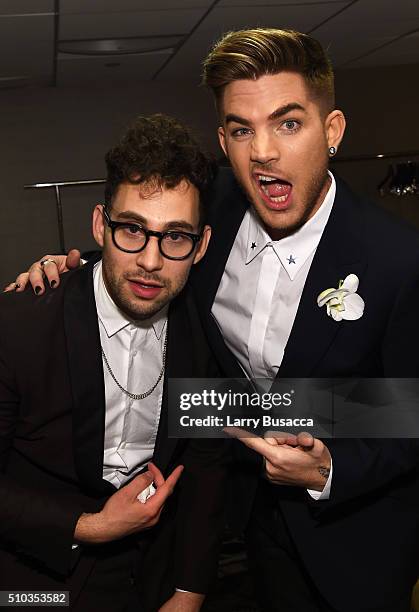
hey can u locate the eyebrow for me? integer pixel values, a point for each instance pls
(284, 110)
(179, 224)
(279, 112)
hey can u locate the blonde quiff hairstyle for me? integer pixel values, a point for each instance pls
(250, 54)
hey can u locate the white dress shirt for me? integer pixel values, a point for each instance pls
(259, 293)
(134, 350)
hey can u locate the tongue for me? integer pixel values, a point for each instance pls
(275, 190)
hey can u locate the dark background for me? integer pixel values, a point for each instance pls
(60, 111)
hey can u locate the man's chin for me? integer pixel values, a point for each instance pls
(143, 312)
(280, 224)
(139, 309)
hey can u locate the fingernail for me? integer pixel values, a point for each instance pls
(38, 290)
(17, 286)
(53, 283)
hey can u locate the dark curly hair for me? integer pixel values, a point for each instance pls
(159, 150)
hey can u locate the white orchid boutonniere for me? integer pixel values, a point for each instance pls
(343, 303)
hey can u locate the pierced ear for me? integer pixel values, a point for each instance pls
(98, 224)
(203, 244)
(335, 128)
(222, 139)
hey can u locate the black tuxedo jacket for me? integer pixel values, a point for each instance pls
(52, 414)
(368, 531)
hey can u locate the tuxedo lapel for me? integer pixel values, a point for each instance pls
(225, 218)
(226, 214)
(340, 252)
(86, 378)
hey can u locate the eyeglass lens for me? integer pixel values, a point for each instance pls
(173, 244)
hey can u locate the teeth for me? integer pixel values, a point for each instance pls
(266, 179)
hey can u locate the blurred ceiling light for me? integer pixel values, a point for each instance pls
(120, 46)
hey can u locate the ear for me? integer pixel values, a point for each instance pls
(222, 139)
(335, 128)
(98, 225)
(203, 244)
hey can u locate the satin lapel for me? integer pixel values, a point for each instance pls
(225, 217)
(340, 252)
(86, 374)
(225, 222)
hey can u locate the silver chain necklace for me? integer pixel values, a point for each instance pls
(138, 396)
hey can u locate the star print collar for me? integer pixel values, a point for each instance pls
(257, 238)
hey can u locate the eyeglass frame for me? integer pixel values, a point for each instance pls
(113, 225)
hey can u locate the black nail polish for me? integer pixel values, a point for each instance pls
(53, 283)
(37, 290)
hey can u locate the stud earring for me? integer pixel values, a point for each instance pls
(332, 151)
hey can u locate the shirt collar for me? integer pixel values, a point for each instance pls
(112, 318)
(293, 251)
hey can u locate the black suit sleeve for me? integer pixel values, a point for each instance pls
(200, 514)
(201, 508)
(38, 524)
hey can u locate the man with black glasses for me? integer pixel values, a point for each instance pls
(83, 401)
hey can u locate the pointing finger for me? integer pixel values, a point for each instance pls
(172, 479)
(254, 442)
(157, 475)
(280, 437)
(165, 490)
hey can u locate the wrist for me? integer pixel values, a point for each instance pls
(89, 529)
(187, 601)
(321, 473)
(317, 483)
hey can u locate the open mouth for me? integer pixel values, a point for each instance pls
(275, 191)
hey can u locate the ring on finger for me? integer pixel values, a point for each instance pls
(46, 261)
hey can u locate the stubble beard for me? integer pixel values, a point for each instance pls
(136, 308)
(318, 183)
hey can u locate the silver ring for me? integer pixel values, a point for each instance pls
(44, 262)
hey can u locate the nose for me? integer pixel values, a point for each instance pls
(150, 258)
(264, 148)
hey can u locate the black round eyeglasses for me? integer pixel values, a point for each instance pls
(133, 238)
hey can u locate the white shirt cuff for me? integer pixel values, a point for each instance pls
(325, 494)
